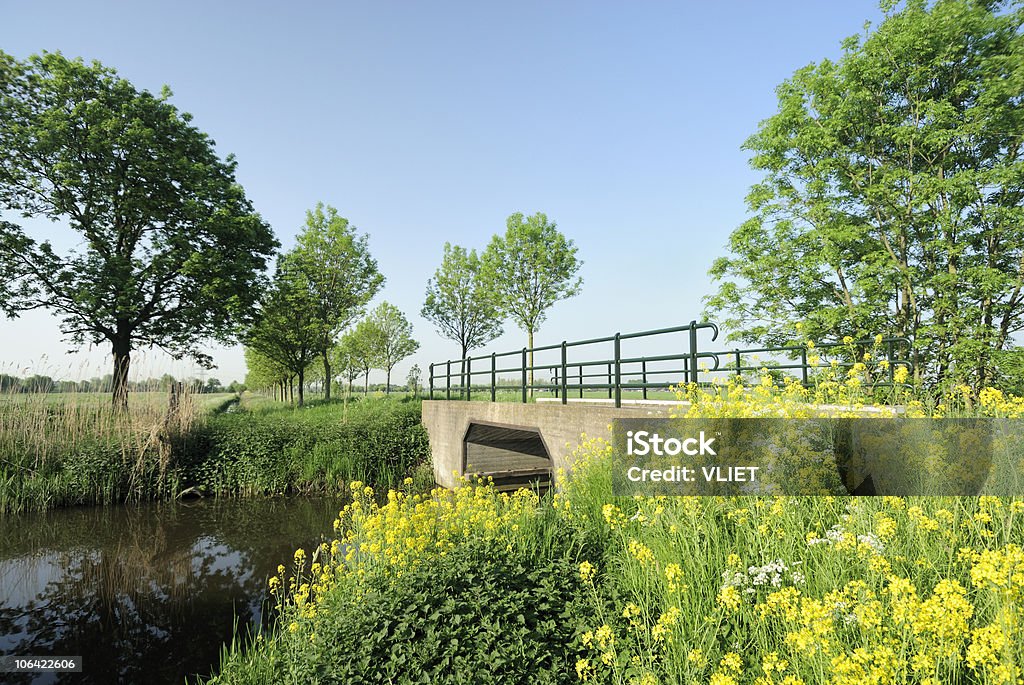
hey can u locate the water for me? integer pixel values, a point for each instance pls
(145, 593)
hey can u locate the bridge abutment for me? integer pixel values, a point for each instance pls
(512, 437)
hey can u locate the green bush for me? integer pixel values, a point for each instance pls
(477, 616)
(316, 449)
(481, 614)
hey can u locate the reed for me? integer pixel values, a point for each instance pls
(74, 448)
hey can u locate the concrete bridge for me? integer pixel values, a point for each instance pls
(522, 442)
(518, 444)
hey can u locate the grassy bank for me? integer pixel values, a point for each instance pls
(73, 449)
(476, 586)
(266, 448)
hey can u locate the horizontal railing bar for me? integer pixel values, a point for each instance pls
(673, 329)
(633, 373)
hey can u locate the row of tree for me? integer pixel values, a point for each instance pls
(319, 290)
(520, 275)
(378, 341)
(307, 329)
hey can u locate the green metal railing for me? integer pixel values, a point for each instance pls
(616, 373)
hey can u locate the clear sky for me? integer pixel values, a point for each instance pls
(426, 122)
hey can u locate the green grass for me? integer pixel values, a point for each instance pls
(68, 449)
(73, 448)
(270, 448)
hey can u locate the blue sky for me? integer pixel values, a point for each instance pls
(431, 122)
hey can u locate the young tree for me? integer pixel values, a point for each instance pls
(172, 253)
(287, 330)
(341, 275)
(529, 269)
(391, 336)
(891, 199)
(347, 358)
(363, 345)
(460, 303)
(413, 380)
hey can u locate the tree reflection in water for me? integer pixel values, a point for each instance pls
(145, 593)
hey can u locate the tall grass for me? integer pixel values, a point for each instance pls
(75, 448)
(63, 449)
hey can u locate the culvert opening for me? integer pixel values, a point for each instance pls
(513, 456)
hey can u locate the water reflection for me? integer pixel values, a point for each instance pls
(144, 593)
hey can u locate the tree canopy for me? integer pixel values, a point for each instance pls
(341, 274)
(460, 302)
(287, 331)
(172, 253)
(391, 338)
(891, 196)
(530, 268)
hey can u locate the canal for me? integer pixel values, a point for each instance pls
(150, 592)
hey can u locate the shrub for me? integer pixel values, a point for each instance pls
(315, 449)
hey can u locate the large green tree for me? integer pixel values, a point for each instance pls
(341, 275)
(530, 268)
(892, 189)
(460, 303)
(391, 338)
(171, 253)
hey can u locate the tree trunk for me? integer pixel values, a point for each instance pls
(529, 343)
(387, 388)
(327, 377)
(302, 386)
(366, 384)
(122, 348)
(465, 376)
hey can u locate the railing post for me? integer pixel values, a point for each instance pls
(555, 383)
(581, 380)
(524, 375)
(738, 362)
(693, 351)
(618, 372)
(494, 377)
(643, 371)
(888, 356)
(468, 375)
(448, 381)
(431, 381)
(609, 380)
(565, 398)
(803, 363)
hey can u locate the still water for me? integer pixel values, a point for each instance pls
(146, 593)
